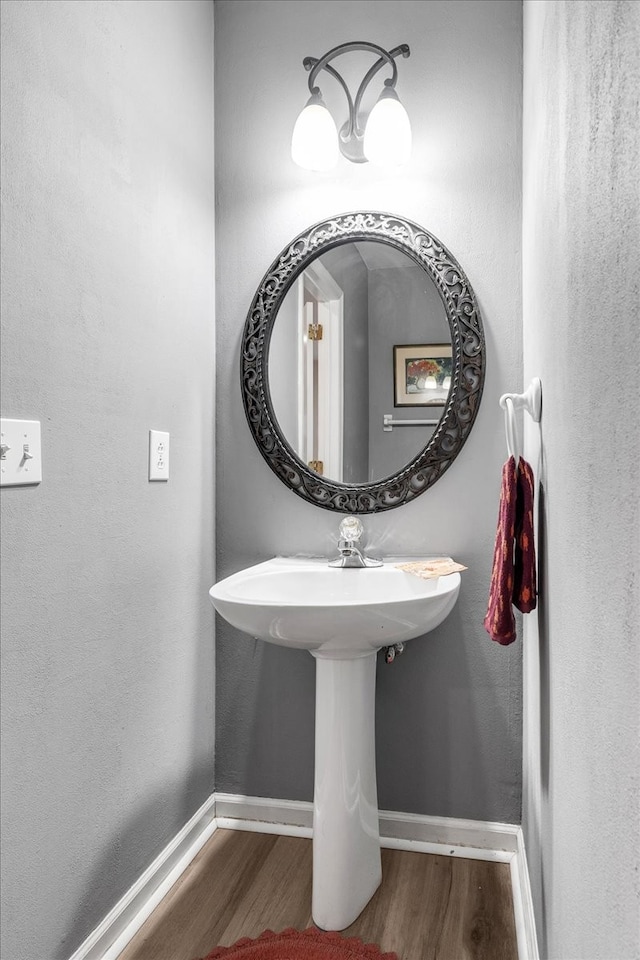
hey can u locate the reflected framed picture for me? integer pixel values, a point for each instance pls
(422, 374)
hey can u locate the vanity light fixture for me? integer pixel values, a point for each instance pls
(384, 137)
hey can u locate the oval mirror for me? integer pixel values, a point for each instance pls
(362, 362)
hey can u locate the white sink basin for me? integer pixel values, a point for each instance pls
(342, 617)
(333, 613)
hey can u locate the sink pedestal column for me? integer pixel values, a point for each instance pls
(346, 840)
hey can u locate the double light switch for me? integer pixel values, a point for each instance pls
(20, 452)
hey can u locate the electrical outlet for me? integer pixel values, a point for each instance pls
(158, 455)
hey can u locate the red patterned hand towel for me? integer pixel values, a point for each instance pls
(513, 574)
(524, 564)
(499, 621)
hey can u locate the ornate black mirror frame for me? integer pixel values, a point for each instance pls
(468, 351)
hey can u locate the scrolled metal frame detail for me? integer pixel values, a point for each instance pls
(468, 353)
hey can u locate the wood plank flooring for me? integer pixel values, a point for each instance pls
(427, 907)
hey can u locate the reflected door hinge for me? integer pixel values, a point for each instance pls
(314, 331)
(317, 466)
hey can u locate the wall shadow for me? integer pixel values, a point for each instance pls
(264, 719)
(444, 729)
(545, 826)
(130, 851)
(543, 641)
(448, 721)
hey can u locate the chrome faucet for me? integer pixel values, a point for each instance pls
(349, 554)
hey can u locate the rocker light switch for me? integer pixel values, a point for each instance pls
(20, 452)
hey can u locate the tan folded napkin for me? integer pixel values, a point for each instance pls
(429, 569)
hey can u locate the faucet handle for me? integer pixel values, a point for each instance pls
(351, 529)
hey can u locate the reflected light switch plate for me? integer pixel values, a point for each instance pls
(21, 454)
(158, 455)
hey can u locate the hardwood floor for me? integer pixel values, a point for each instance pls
(427, 907)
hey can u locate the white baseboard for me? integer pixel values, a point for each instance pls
(111, 936)
(472, 839)
(480, 835)
(295, 813)
(523, 904)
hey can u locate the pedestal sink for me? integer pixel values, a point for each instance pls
(342, 617)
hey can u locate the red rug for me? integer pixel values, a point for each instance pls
(311, 944)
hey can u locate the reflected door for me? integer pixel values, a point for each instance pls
(320, 372)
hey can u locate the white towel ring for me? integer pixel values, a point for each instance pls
(511, 429)
(531, 401)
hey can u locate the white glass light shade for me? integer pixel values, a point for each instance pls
(314, 144)
(387, 135)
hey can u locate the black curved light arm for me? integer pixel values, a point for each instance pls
(352, 128)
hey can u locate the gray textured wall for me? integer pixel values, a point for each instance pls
(581, 286)
(449, 718)
(107, 312)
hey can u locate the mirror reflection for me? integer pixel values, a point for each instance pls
(361, 334)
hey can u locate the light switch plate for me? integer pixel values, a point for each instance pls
(20, 452)
(158, 455)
